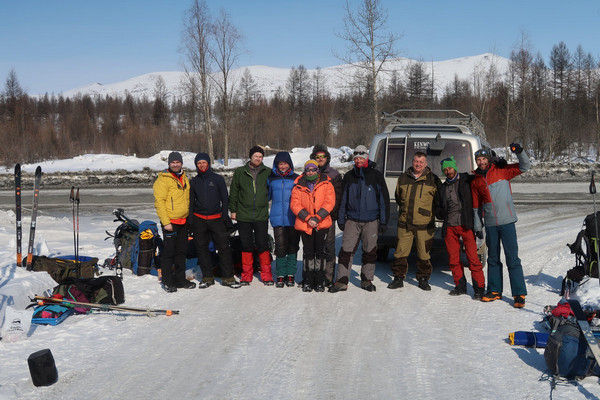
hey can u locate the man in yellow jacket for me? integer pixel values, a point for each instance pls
(172, 203)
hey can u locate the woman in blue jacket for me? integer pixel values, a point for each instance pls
(281, 182)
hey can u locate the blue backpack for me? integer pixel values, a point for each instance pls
(137, 245)
(566, 353)
(145, 252)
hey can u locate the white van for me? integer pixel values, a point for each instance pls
(437, 133)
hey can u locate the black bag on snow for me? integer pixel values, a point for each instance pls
(566, 353)
(585, 249)
(61, 269)
(102, 290)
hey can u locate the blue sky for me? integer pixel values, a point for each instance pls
(57, 45)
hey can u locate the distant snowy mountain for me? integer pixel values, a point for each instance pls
(269, 79)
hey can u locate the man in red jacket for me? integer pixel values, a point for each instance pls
(492, 200)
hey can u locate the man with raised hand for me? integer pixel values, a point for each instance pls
(492, 201)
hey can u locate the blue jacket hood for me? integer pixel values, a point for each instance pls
(282, 156)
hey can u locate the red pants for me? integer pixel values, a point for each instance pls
(453, 247)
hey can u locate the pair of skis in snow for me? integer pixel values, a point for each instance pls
(34, 210)
(41, 300)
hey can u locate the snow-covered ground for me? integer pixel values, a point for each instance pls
(264, 342)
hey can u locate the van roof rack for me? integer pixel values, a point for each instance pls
(433, 117)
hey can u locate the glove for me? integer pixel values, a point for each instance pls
(229, 227)
(341, 226)
(516, 148)
(382, 229)
(501, 163)
(479, 234)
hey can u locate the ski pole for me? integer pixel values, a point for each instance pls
(77, 202)
(72, 200)
(19, 226)
(595, 239)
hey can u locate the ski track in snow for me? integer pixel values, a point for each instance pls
(263, 342)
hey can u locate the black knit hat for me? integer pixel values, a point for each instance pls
(175, 156)
(256, 149)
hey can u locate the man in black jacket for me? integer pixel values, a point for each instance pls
(363, 214)
(456, 210)
(208, 216)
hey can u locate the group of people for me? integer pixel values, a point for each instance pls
(467, 204)
(307, 206)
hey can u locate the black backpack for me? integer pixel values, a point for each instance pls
(137, 245)
(585, 249)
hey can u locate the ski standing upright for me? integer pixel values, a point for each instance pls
(586, 329)
(36, 196)
(19, 228)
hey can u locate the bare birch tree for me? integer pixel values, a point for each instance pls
(225, 55)
(197, 67)
(368, 45)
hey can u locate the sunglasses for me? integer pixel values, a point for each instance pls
(481, 153)
(361, 154)
(311, 170)
(320, 157)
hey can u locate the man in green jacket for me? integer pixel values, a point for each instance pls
(417, 196)
(249, 206)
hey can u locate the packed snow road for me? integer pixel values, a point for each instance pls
(264, 342)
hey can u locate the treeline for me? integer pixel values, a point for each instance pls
(553, 108)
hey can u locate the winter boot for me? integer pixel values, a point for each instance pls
(368, 286)
(519, 301)
(491, 296)
(247, 266)
(397, 283)
(309, 277)
(206, 283)
(319, 275)
(289, 281)
(461, 288)
(230, 282)
(280, 282)
(423, 283)
(338, 287)
(479, 290)
(265, 268)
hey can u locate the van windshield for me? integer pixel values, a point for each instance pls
(436, 152)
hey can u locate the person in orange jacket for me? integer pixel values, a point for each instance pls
(313, 199)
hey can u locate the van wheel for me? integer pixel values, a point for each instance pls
(382, 253)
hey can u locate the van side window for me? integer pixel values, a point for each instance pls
(394, 165)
